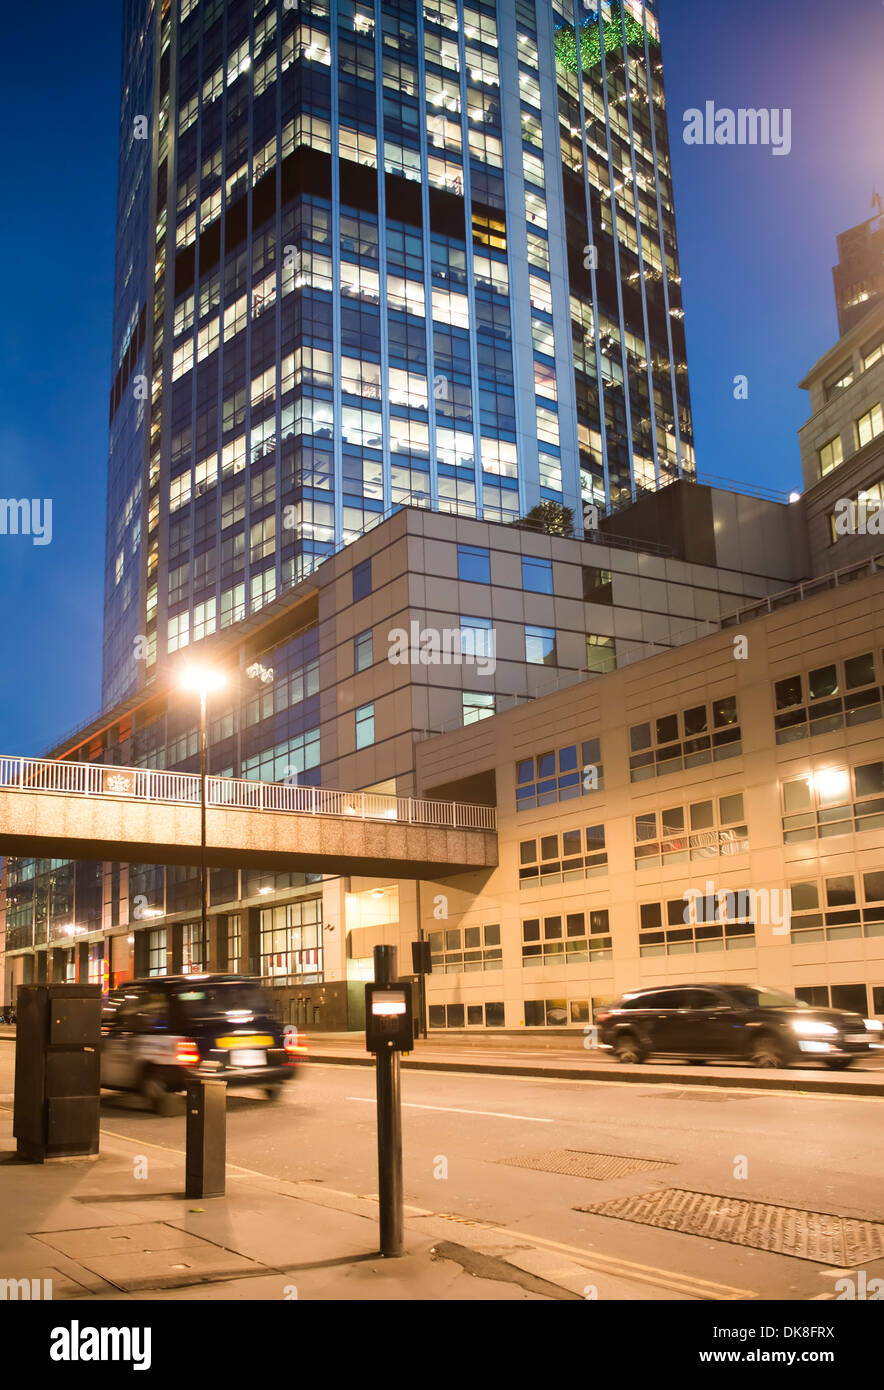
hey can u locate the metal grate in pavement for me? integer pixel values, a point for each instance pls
(819, 1236)
(580, 1163)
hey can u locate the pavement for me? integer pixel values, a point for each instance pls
(503, 1180)
(117, 1226)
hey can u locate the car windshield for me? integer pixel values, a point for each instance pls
(760, 997)
(230, 1000)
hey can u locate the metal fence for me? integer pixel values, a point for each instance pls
(147, 784)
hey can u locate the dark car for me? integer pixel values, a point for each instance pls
(160, 1033)
(738, 1023)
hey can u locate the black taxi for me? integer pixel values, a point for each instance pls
(158, 1034)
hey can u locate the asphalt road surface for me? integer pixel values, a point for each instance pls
(807, 1153)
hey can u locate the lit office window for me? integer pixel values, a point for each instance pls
(870, 425)
(540, 645)
(601, 655)
(477, 705)
(362, 651)
(831, 455)
(365, 726)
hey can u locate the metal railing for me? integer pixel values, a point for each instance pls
(147, 784)
(809, 588)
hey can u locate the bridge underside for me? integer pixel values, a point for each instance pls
(59, 826)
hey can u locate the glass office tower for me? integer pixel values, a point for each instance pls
(408, 251)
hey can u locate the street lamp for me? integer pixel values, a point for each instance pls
(203, 679)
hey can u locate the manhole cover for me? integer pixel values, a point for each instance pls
(805, 1235)
(579, 1163)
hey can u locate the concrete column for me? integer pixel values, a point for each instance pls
(218, 933)
(251, 926)
(175, 948)
(57, 966)
(141, 953)
(42, 967)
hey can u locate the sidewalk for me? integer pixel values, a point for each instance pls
(117, 1226)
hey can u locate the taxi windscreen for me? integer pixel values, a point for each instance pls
(224, 1000)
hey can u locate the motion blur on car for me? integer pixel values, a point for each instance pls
(161, 1033)
(738, 1023)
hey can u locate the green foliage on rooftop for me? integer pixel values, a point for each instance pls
(566, 40)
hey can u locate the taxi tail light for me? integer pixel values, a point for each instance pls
(603, 1018)
(187, 1053)
(294, 1048)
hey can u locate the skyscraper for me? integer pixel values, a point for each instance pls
(370, 253)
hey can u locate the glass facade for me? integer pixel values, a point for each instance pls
(371, 254)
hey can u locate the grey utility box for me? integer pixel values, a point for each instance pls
(57, 1073)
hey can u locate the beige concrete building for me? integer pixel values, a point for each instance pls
(842, 449)
(711, 781)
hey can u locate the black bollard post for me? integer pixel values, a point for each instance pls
(206, 1143)
(389, 1123)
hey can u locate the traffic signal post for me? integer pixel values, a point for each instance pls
(389, 1031)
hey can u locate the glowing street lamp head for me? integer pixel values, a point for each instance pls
(203, 679)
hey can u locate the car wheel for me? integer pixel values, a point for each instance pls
(766, 1052)
(838, 1063)
(272, 1092)
(628, 1051)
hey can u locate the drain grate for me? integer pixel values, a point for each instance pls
(819, 1236)
(579, 1163)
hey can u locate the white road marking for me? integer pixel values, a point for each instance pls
(456, 1110)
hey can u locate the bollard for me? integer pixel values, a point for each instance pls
(206, 1144)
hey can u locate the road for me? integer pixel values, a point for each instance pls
(817, 1154)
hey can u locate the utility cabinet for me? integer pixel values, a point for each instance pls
(57, 1070)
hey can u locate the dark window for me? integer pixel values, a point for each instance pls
(850, 997)
(788, 692)
(817, 995)
(859, 671)
(724, 711)
(639, 737)
(823, 682)
(873, 885)
(696, 721)
(650, 915)
(361, 580)
(870, 779)
(840, 892)
(598, 585)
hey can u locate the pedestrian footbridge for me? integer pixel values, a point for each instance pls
(66, 810)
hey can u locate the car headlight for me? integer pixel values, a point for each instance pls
(874, 1025)
(809, 1028)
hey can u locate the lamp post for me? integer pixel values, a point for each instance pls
(203, 679)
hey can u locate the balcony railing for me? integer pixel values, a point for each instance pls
(147, 784)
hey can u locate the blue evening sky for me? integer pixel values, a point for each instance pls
(756, 235)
